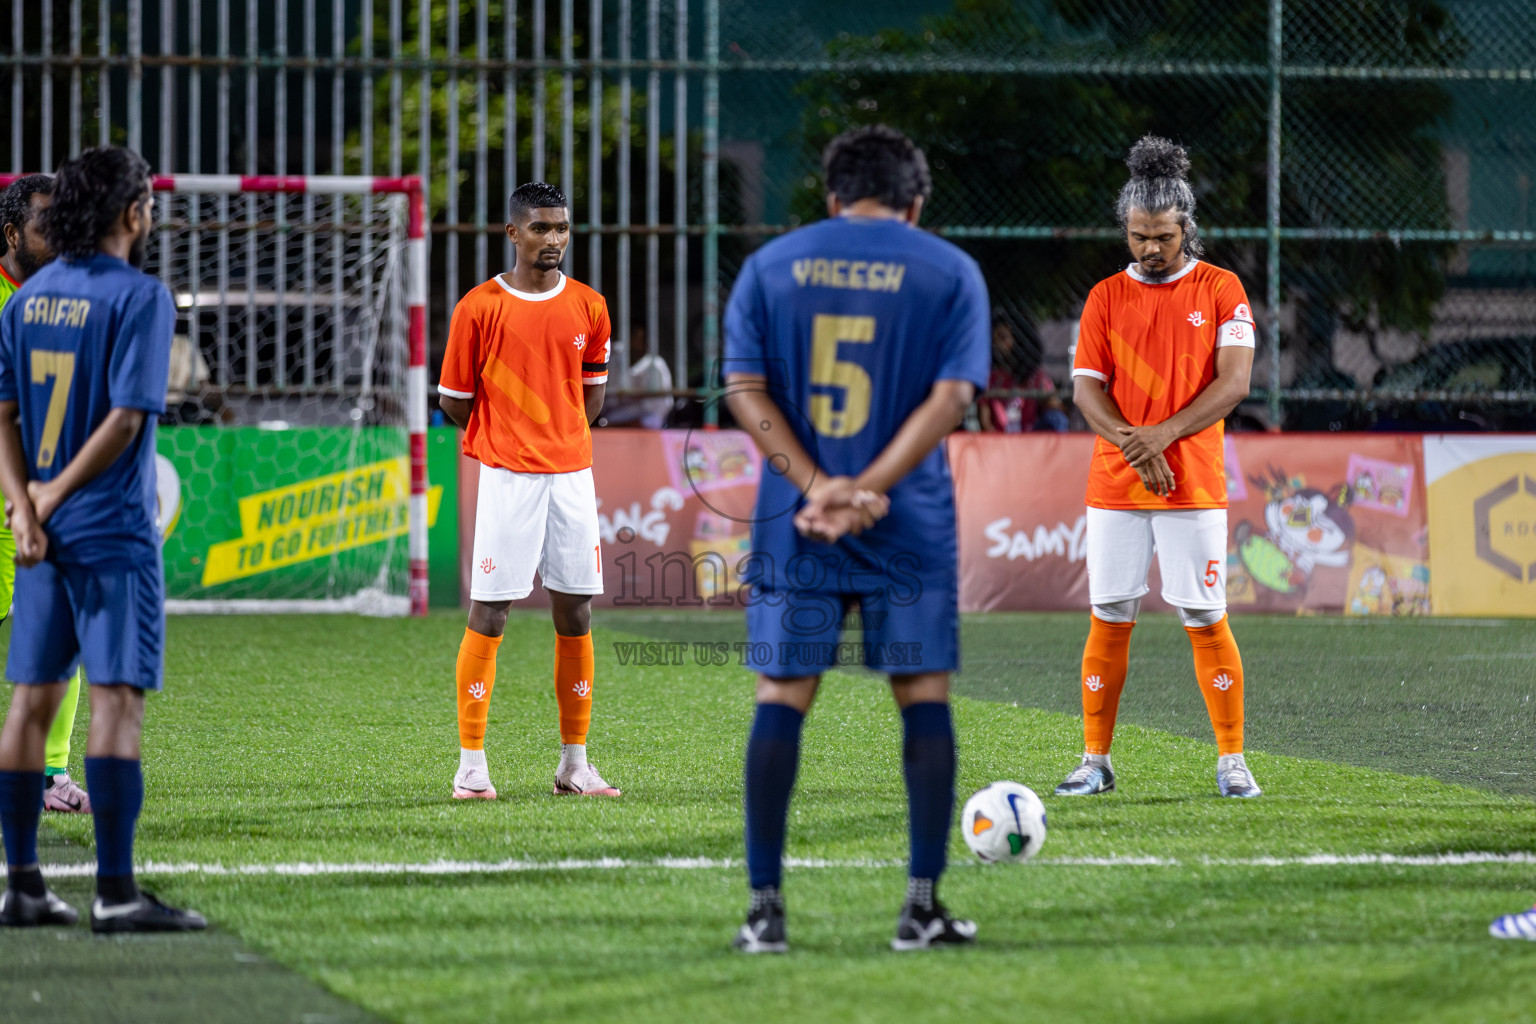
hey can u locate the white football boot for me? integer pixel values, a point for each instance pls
(581, 780)
(1233, 777)
(1515, 926)
(473, 783)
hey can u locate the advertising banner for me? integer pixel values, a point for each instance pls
(1327, 523)
(299, 514)
(1482, 523)
(1020, 514)
(1316, 523)
(674, 510)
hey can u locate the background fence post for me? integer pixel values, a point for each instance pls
(1272, 211)
(711, 203)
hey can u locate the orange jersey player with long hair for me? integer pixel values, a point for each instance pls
(1163, 355)
(524, 375)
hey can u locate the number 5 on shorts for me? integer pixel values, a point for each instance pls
(1211, 575)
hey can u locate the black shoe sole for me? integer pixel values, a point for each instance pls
(43, 919)
(114, 928)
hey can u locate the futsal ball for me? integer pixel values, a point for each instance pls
(1004, 821)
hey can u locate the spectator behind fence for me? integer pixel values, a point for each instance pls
(1016, 366)
(647, 373)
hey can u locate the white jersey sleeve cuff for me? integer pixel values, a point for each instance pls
(1235, 334)
(454, 394)
(1095, 374)
(595, 380)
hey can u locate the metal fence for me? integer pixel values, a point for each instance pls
(1366, 168)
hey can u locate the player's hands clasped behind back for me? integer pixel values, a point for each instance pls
(835, 508)
(26, 526)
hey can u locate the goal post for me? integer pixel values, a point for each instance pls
(292, 460)
(318, 287)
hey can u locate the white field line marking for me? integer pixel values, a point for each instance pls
(474, 867)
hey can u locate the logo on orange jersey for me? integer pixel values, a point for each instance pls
(486, 565)
(1094, 683)
(582, 688)
(1242, 312)
(581, 339)
(1222, 682)
(1196, 318)
(477, 691)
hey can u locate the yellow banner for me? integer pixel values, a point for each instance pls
(1482, 526)
(318, 517)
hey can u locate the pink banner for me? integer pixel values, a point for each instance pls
(674, 509)
(1317, 523)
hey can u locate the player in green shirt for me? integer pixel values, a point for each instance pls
(23, 251)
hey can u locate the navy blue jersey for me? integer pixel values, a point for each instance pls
(852, 320)
(81, 338)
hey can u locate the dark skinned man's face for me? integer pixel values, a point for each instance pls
(540, 240)
(1156, 241)
(32, 249)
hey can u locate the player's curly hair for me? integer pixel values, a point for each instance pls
(16, 202)
(1160, 181)
(90, 193)
(535, 195)
(876, 162)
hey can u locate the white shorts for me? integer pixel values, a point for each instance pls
(535, 521)
(1191, 548)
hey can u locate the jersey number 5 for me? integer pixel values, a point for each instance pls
(827, 371)
(61, 367)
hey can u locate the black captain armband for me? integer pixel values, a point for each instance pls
(594, 367)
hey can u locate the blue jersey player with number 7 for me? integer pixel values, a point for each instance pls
(85, 348)
(852, 347)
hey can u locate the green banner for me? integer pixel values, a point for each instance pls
(308, 513)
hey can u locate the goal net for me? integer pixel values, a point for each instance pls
(292, 456)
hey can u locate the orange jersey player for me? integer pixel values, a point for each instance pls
(524, 375)
(1163, 355)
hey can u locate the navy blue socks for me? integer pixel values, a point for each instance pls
(117, 794)
(773, 757)
(21, 806)
(928, 762)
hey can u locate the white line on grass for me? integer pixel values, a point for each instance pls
(503, 867)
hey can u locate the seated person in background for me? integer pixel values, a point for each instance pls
(647, 373)
(1009, 358)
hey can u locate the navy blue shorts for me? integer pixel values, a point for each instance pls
(907, 630)
(111, 620)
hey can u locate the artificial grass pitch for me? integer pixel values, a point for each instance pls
(290, 741)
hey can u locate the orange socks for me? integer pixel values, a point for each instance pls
(573, 686)
(1106, 657)
(475, 674)
(1219, 670)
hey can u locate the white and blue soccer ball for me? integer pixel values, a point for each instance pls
(1004, 822)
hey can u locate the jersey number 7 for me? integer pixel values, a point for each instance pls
(61, 367)
(827, 371)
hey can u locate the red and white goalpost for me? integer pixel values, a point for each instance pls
(301, 322)
(415, 285)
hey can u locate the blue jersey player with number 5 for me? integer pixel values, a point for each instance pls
(85, 348)
(852, 347)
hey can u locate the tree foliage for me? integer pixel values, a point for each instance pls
(1038, 148)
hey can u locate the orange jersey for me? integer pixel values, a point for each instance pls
(1154, 345)
(525, 358)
